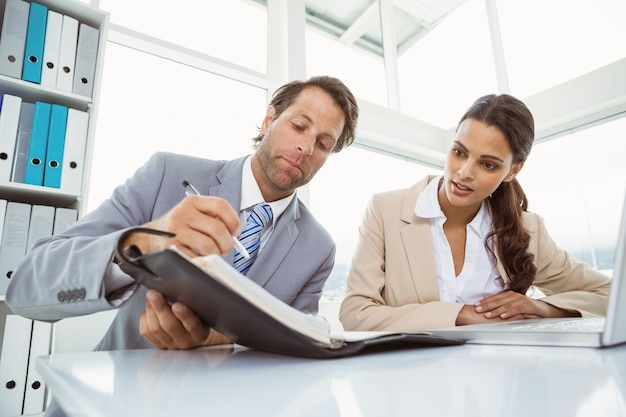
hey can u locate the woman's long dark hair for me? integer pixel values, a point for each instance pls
(507, 203)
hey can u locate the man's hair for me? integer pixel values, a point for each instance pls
(285, 96)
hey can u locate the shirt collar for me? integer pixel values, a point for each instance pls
(427, 206)
(251, 193)
(481, 223)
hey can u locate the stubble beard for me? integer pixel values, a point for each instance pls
(276, 177)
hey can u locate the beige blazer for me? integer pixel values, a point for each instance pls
(392, 282)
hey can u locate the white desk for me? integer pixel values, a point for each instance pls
(460, 381)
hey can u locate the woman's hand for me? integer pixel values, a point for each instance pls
(509, 305)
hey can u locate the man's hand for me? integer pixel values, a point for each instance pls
(175, 326)
(203, 225)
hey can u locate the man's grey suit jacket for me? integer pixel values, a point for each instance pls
(63, 275)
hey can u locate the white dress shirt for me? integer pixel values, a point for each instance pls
(251, 196)
(479, 276)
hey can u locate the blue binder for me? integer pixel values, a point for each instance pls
(35, 39)
(56, 146)
(38, 144)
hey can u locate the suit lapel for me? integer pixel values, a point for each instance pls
(229, 188)
(417, 242)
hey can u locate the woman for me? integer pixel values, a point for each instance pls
(461, 248)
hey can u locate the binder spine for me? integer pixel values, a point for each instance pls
(86, 53)
(13, 38)
(56, 143)
(9, 122)
(52, 44)
(35, 37)
(38, 144)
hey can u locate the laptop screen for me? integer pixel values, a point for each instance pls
(615, 330)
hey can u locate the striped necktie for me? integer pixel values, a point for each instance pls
(250, 237)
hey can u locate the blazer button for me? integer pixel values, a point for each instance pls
(82, 293)
(62, 296)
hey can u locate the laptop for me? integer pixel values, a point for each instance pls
(575, 332)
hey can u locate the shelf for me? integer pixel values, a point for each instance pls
(28, 399)
(34, 92)
(35, 194)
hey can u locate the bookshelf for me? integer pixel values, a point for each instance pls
(22, 392)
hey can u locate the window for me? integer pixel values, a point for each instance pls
(363, 73)
(222, 29)
(150, 104)
(567, 38)
(175, 108)
(577, 184)
(340, 192)
(450, 67)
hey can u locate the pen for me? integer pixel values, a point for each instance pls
(191, 190)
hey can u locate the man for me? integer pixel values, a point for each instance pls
(75, 273)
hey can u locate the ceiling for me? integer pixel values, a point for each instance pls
(357, 22)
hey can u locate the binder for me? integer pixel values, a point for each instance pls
(14, 240)
(74, 152)
(86, 53)
(67, 53)
(3, 210)
(56, 143)
(63, 218)
(40, 225)
(23, 140)
(35, 37)
(52, 44)
(245, 312)
(13, 38)
(14, 364)
(38, 144)
(9, 120)
(35, 390)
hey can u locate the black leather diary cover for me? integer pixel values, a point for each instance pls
(246, 313)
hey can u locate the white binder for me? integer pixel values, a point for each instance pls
(35, 390)
(14, 239)
(74, 152)
(14, 364)
(52, 46)
(86, 53)
(41, 223)
(3, 210)
(13, 38)
(20, 159)
(64, 218)
(67, 53)
(9, 120)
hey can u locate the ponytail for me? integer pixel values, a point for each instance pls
(506, 206)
